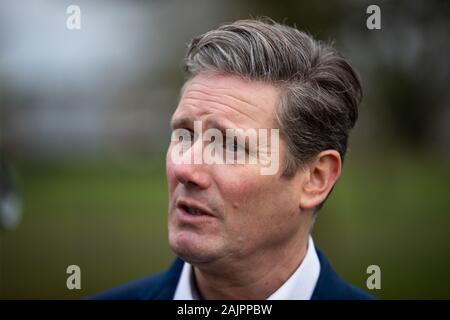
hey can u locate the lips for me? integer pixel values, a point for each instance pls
(193, 211)
(194, 208)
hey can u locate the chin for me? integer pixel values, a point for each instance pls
(191, 247)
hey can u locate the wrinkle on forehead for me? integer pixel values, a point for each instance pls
(209, 105)
(229, 94)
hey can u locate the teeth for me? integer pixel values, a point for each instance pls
(194, 212)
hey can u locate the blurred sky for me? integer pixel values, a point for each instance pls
(112, 85)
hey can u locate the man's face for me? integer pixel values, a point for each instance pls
(228, 211)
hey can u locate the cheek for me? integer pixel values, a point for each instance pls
(245, 193)
(257, 205)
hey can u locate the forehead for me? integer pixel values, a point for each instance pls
(242, 102)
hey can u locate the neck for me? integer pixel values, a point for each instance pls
(256, 277)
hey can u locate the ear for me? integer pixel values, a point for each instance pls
(321, 174)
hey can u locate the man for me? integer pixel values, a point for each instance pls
(240, 232)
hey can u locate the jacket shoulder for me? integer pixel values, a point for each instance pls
(330, 286)
(160, 286)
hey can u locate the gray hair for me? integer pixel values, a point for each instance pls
(320, 90)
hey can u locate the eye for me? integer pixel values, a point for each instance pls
(189, 133)
(192, 134)
(185, 136)
(232, 145)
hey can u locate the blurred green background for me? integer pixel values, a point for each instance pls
(84, 126)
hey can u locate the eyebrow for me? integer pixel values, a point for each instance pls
(182, 121)
(186, 121)
(219, 125)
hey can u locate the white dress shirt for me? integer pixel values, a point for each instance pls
(300, 285)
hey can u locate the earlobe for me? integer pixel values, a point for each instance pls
(322, 174)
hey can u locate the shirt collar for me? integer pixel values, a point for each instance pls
(299, 286)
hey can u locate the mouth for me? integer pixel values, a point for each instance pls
(193, 209)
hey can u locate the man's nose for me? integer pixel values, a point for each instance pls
(193, 174)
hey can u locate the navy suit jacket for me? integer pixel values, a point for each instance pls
(162, 286)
